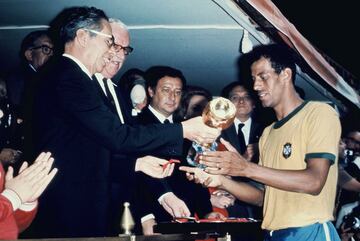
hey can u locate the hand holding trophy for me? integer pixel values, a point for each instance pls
(218, 113)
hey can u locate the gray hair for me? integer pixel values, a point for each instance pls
(118, 21)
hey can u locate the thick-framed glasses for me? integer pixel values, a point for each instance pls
(236, 98)
(47, 50)
(109, 38)
(127, 49)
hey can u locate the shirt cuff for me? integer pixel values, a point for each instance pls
(160, 199)
(13, 197)
(27, 207)
(147, 217)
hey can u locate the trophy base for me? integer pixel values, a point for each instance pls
(196, 150)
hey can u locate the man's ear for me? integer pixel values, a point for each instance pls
(286, 75)
(28, 55)
(82, 37)
(151, 92)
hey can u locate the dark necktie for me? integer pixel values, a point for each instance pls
(241, 139)
(166, 121)
(108, 94)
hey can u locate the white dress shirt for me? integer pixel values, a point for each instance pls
(246, 128)
(111, 85)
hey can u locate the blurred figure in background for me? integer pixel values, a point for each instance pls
(36, 50)
(10, 130)
(193, 102)
(132, 83)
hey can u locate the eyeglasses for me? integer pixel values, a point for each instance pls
(127, 49)
(110, 39)
(47, 50)
(236, 98)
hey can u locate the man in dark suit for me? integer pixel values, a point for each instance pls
(72, 121)
(113, 97)
(179, 197)
(244, 135)
(36, 50)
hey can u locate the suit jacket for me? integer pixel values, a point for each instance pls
(230, 134)
(72, 121)
(242, 209)
(195, 196)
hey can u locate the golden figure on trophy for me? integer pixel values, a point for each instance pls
(218, 113)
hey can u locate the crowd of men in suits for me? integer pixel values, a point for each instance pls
(80, 115)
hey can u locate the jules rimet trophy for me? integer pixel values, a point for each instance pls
(218, 113)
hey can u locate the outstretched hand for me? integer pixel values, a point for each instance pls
(199, 176)
(224, 162)
(175, 206)
(154, 166)
(195, 130)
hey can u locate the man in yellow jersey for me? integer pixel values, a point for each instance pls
(298, 156)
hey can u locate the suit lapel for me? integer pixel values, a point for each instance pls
(232, 137)
(150, 117)
(254, 132)
(105, 98)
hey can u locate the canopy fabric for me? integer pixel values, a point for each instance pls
(294, 39)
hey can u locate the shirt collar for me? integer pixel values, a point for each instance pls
(246, 127)
(246, 123)
(78, 62)
(160, 116)
(100, 78)
(32, 67)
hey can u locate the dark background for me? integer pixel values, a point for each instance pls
(331, 26)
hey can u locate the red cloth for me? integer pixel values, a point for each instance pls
(12, 222)
(223, 211)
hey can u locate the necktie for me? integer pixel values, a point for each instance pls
(241, 139)
(166, 121)
(108, 94)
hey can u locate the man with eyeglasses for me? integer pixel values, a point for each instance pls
(72, 121)
(36, 50)
(244, 134)
(113, 97)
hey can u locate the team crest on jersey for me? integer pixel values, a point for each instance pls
(287, 150)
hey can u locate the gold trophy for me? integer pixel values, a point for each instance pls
(218, 113)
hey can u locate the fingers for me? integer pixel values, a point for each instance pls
(44, 169)
(9, 174)
(182, 211)
(208, 136)
(168, 169)
(160, 161)
(207, 181)
(172, 167)
(23, 167)
(36, 170)
(190, 177)
(42, 185)
(228, 145)
(217, 171)
(43, 157)
(168, 209)
(187, 169)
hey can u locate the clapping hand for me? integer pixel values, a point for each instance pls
(32, 180)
